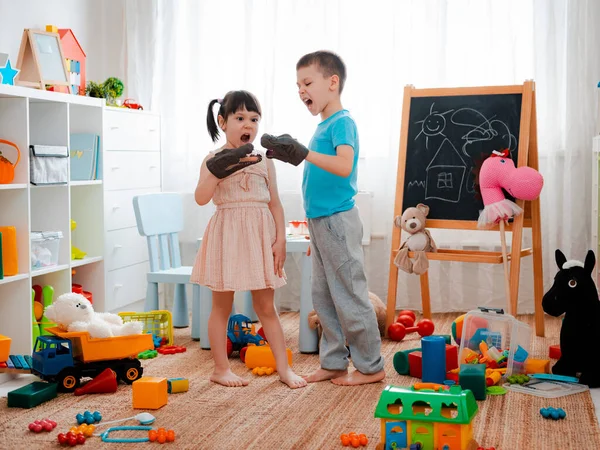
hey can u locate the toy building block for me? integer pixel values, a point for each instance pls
(4, 348)
(415, 362)
(104, 383)
(537, 365)
(176, 385)
(472, 376)
(150, 393)
(401, 360)
(451, 357)
(553, 352)
(51, 29)
(32, 395)
(433, 359)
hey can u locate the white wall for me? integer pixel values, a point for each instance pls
(98, 26)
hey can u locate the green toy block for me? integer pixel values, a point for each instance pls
(32, 395)
(472, 376)
(446, 337)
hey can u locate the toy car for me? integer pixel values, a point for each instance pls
(132, 104)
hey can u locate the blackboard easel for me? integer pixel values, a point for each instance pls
(480, 134)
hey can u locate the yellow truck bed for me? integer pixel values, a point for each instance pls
(88, 349)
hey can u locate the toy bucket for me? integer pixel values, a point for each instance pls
(7, 169)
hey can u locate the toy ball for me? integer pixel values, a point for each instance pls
(457, 327)
(553, 413)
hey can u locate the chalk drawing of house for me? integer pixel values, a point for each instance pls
(445, 174)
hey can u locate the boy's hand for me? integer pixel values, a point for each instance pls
(229, 161)
(279, 254)
(284, 148)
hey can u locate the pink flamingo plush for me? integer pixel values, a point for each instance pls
(499, 172)
(524, 183)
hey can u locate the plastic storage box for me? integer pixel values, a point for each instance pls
(44, 249)
(505, 340)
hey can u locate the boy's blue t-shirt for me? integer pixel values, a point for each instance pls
(325, 193)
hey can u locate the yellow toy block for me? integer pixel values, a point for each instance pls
(537, 365)
(149, 393)
(51, 29)
(4, 348)
(262, 356)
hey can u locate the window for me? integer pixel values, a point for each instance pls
(444, 180)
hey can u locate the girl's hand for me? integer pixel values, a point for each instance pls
(279, 254)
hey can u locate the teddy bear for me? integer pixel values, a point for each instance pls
(74, 312)
(419, 240)
(380, 313)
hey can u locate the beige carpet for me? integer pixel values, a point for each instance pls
(268, 416)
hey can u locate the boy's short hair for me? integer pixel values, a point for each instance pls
(329, 63)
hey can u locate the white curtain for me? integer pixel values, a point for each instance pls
(183, 54)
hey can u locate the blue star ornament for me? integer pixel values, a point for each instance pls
(8, 74)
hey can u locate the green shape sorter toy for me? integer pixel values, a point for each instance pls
(32, 395)
(434, 419)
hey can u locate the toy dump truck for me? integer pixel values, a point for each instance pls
(66, 357)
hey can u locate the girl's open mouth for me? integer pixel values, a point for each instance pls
(245, 138)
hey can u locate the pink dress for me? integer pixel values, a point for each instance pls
(236, 252)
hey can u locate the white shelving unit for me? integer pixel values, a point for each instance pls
(29, 116)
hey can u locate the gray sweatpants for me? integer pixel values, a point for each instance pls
(340, 294)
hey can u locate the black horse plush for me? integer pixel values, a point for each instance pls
(574, 294)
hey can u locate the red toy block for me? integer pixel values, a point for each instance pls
(415, 363)
(554, 352)
(451, 357)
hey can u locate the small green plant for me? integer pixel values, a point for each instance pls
(96, 90)
(111, 89)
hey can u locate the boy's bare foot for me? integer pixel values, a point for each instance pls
(355, 378)
(290, 378)
(324, 374)
(228, 378)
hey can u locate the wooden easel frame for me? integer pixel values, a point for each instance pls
(29, 62)
(528, 155)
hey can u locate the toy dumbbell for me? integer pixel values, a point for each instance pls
(425, 328)
(406, 318)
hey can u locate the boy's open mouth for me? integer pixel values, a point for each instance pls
(308, 102)
(245, 138)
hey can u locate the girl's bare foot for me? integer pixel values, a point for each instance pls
(355, 378)
(291, 379)
(228, 378)
(324, 374)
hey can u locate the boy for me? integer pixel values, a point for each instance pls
(339, 286)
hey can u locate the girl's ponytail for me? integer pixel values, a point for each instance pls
(212, 126)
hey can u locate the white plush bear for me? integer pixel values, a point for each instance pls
(74, 312)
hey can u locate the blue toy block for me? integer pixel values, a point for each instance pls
(433, 350)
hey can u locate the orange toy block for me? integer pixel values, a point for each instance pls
(9, 251)
(554, 352)
(150, 393)
(4, 348)
(537, 365)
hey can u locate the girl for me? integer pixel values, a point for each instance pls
(243, 248)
